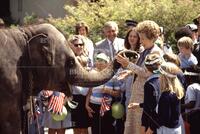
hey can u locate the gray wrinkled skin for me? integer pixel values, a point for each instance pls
(49, 60)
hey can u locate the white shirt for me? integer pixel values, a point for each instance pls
(193, 94)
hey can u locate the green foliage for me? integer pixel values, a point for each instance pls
(30, 19)
(169, 14)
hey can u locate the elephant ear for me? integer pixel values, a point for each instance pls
(41, 50)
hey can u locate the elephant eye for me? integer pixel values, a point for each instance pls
(70, 63)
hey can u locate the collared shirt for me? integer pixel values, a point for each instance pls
(108, 47)
(193, 94)
(187, 62)
(97, 95)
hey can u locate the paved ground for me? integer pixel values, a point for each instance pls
(69, 131)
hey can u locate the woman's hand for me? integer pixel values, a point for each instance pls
(122, 60)
(133, 105)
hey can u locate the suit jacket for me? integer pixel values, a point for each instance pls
(109, 49)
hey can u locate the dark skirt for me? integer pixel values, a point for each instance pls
(101, 124)
(79, 115)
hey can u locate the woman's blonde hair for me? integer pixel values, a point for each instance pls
(150, 28)
(169, 80)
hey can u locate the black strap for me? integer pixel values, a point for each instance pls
(141, 60)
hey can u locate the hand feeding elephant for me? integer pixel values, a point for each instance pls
(35, 58)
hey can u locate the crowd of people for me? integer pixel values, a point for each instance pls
(160, 92)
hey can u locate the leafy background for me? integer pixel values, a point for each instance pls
(170, 14)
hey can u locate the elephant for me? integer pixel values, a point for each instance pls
(34, 58)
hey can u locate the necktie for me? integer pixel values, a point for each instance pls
(112, 50)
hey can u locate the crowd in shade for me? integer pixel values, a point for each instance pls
(154, 90)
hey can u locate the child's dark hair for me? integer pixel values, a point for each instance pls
(183, 31)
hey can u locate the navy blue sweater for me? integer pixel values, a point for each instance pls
(169, 110)
(151, 97)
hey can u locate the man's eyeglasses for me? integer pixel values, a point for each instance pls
(76, 45)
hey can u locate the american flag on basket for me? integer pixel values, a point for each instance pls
(104, 106)
(56, 102)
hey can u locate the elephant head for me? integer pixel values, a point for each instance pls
(43, 63)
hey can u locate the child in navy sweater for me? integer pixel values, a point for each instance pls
(151, 94)
(170, 100)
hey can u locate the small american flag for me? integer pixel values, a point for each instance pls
(104, 106)
(56, 102)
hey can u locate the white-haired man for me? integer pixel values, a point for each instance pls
(111, 44)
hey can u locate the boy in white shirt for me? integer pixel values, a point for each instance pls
(185, 46)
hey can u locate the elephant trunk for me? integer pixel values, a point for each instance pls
(84, 78)
(79, 76)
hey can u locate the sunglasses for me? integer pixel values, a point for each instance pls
(76, 45)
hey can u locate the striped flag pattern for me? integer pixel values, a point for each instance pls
(56, 102)
(104, 106)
